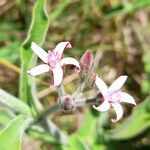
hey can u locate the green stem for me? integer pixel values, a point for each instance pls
(54, 131)
(38, 133)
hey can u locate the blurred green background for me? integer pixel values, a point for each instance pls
(118, 34)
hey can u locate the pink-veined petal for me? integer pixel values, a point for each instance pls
(101, 86)
(118, 83)
(119, 111)
(38, 70)
(127, 98)
(60, 48)
(103, 107)
(70, 61)
(58, 75)
(39, 52)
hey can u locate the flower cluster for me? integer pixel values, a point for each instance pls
(53, 61)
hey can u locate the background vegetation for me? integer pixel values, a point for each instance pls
(118, 34)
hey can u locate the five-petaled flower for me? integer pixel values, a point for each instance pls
(112, 96)
(53, 61)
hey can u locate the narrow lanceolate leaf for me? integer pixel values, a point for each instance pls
(14, 103)
(136, 124)
(6, 115)
(37, 33)
(10, 136)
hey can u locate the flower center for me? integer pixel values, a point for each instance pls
(113, 97)
(53, 59)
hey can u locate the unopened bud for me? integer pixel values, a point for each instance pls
(67, 103)
(86, 62)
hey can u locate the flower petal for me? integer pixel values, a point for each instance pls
(61, 46)
(127, 98)
(103, 107)
(38, 70)
(118, 83)
(101, 86)
(70, 61)
(39, 52)
(58, 75)
(118, 110)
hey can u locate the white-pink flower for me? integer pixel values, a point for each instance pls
(53, 61)
(112, 96)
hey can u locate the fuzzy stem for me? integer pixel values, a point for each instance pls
(49, 126)
(48, 111)
(87, 101)
(80, 103)
(54, 131)
(60, 90)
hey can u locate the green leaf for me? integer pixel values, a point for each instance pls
(37, 33)
(85, 137)
(5, 116)
(98, 147)
(128, 8)
(10, 136)
(89, 121)
(145, 86)
(39, 134)
(14, 103)
(136, 124)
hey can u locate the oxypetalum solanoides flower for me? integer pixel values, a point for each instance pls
(112, 96)
(53, 61)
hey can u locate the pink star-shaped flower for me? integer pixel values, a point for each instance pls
(112, 96)
(53, 61)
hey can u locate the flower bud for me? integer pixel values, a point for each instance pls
(86, 62)
(67, 103)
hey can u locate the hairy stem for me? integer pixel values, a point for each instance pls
(54, 131)
(77, 103)
(87, 101)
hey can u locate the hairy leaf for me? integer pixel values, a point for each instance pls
(14, 103)
(10, 136)
(37, 33)
(5, 116)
